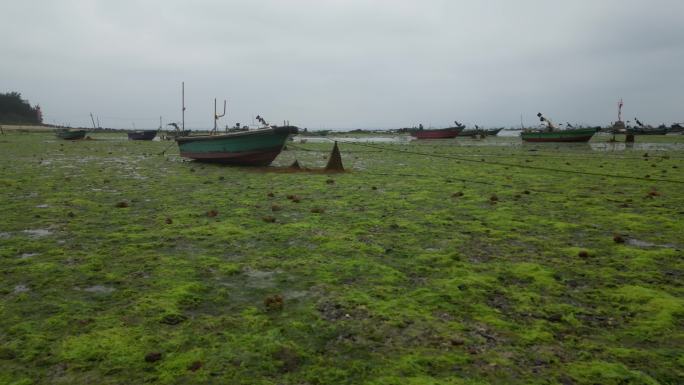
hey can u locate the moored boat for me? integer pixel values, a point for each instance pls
(643, 129)
(552, 134)
(493, 131)
(571, 135)
(472, 133)
(647, 131)
(142, 135)
(71, 133)
(676, 127)
(437, 133)
(246, 148)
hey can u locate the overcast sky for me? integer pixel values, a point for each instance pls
(346, 63)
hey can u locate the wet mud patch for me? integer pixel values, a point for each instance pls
(38, 233)
(18, 289)
(646, 245)
(97, 289)
(261, 279)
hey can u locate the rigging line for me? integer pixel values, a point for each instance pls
(518, 165)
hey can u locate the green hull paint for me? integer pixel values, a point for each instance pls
(575, 135)
(258, 147)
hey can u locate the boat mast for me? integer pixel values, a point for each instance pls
(620, 104)
(93, 120)
(216, 115)
(183, 101)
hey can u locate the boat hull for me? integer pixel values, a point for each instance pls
(577, 135)
(472, 133)
(247, 148)
(648, 131)
(493, 132)
(444, 133)
(142, 135)
(71, 134)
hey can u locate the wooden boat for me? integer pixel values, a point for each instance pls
(647, 131)
(142, 135)
(571, 135)
(437, 133)
(552, 134)
(246, 148)
(472, 133)
(71, 133)
(643, 129)
(493, 131)
(676, 127)
(441, 133)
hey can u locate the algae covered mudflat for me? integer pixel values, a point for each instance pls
(448, 262)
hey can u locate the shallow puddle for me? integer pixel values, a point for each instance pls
(295, 294)
(260, 279)
(37, 233)
(99, 289)
(645, 244)
(21, 289)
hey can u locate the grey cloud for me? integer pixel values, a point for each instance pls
(346, 64)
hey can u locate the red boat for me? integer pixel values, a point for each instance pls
(439, 133)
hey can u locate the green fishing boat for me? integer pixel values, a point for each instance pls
(245, 148)
(642, 129)
(70, 133)
(571, 135)
(552, 134)
(239, 146)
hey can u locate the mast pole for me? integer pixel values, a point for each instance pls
(93, 120)
(183, 101)
(620, 104)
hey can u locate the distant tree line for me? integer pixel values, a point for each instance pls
(15, 110)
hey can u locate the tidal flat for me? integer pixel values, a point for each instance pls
(439, 262)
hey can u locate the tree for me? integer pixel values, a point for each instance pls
(15, 110)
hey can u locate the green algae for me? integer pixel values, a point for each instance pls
(412, 273)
